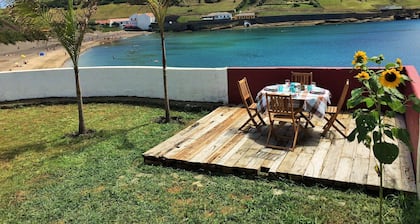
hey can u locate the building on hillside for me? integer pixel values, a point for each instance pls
(246, 15)
(217, 16)
(122, 22)
(142, 21)
(103, 22)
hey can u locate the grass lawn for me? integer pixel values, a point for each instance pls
(47, 176)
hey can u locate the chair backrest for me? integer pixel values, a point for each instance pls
(245, 93)
(304, 78)
(280, 105)
(343, 96)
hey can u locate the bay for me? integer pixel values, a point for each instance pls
(322, 45)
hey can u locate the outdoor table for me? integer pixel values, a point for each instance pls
(314, 101)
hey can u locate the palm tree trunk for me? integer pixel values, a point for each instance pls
(165, 84)
(82, 127)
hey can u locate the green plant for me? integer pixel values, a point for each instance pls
(159, 9)
(68, 26)
(376, 99)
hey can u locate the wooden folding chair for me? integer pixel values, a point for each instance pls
(249, 103)
(280, 109)
(332, 112)
(304, 78)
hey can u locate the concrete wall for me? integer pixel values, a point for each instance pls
(184, 84)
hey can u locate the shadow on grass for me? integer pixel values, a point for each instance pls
(11, 153)
(70, 142)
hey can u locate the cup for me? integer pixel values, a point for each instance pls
(313, 84)
(292, 89)
(287, 82)
(309, 88)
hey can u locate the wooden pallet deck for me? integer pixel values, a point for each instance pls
(215, 143)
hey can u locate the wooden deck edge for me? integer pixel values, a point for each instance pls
(240, 171)
(310, 181)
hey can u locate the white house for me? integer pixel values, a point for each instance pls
(120, 21)
(217, 16)
(142, 21)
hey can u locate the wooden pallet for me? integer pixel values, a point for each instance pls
(215, 143)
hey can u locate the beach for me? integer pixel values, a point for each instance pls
(50, 54)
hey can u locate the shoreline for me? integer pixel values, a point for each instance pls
(50, 54)
(27, 55)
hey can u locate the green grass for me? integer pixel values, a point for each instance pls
(46, 176)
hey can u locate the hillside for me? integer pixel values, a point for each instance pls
(190, 10)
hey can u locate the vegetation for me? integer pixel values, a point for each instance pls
(379, 88)
(69, 27)
(159, 9)
(47, 176)
(189, 10)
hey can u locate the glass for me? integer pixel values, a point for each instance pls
(313, 84)
(308, 88)
(292, 89)
(280, 89)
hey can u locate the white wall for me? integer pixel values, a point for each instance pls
(185, 84)
(144, 21)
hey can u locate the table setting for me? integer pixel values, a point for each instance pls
(311, 98)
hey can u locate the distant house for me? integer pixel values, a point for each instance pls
(247, 15)
(122, 22)
(142, 21)
(103, 22)
(217, 16)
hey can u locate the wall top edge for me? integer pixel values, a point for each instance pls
(411, 67)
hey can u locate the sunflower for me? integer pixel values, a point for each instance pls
(363, 75)
(399, 63)
(360, 57)
(390, 78)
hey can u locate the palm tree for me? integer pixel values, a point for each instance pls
(68, 27)
(159, 9)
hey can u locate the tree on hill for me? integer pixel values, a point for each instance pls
(68, 26)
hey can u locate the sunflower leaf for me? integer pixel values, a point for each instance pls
(369, 102)
(385, 152)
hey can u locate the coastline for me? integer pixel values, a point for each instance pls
(50, 54)
(27, 55)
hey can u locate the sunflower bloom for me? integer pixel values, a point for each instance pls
(363, 75)
(390, 78)
(399, 63)
(360, 57)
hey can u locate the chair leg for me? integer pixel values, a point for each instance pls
(269, 134)
(296, 133)
(249, 119)
(308, 121)
(261, 119)
(331, 124)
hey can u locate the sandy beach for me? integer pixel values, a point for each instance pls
(50, 54)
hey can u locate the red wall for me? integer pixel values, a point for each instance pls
(330, 78)
(411, 116)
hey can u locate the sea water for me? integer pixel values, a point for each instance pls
(322, 45)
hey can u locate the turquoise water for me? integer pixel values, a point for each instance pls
(326, 45)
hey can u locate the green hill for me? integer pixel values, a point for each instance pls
(191, 10)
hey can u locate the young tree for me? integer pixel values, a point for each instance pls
(68, 26)
(159, 9)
